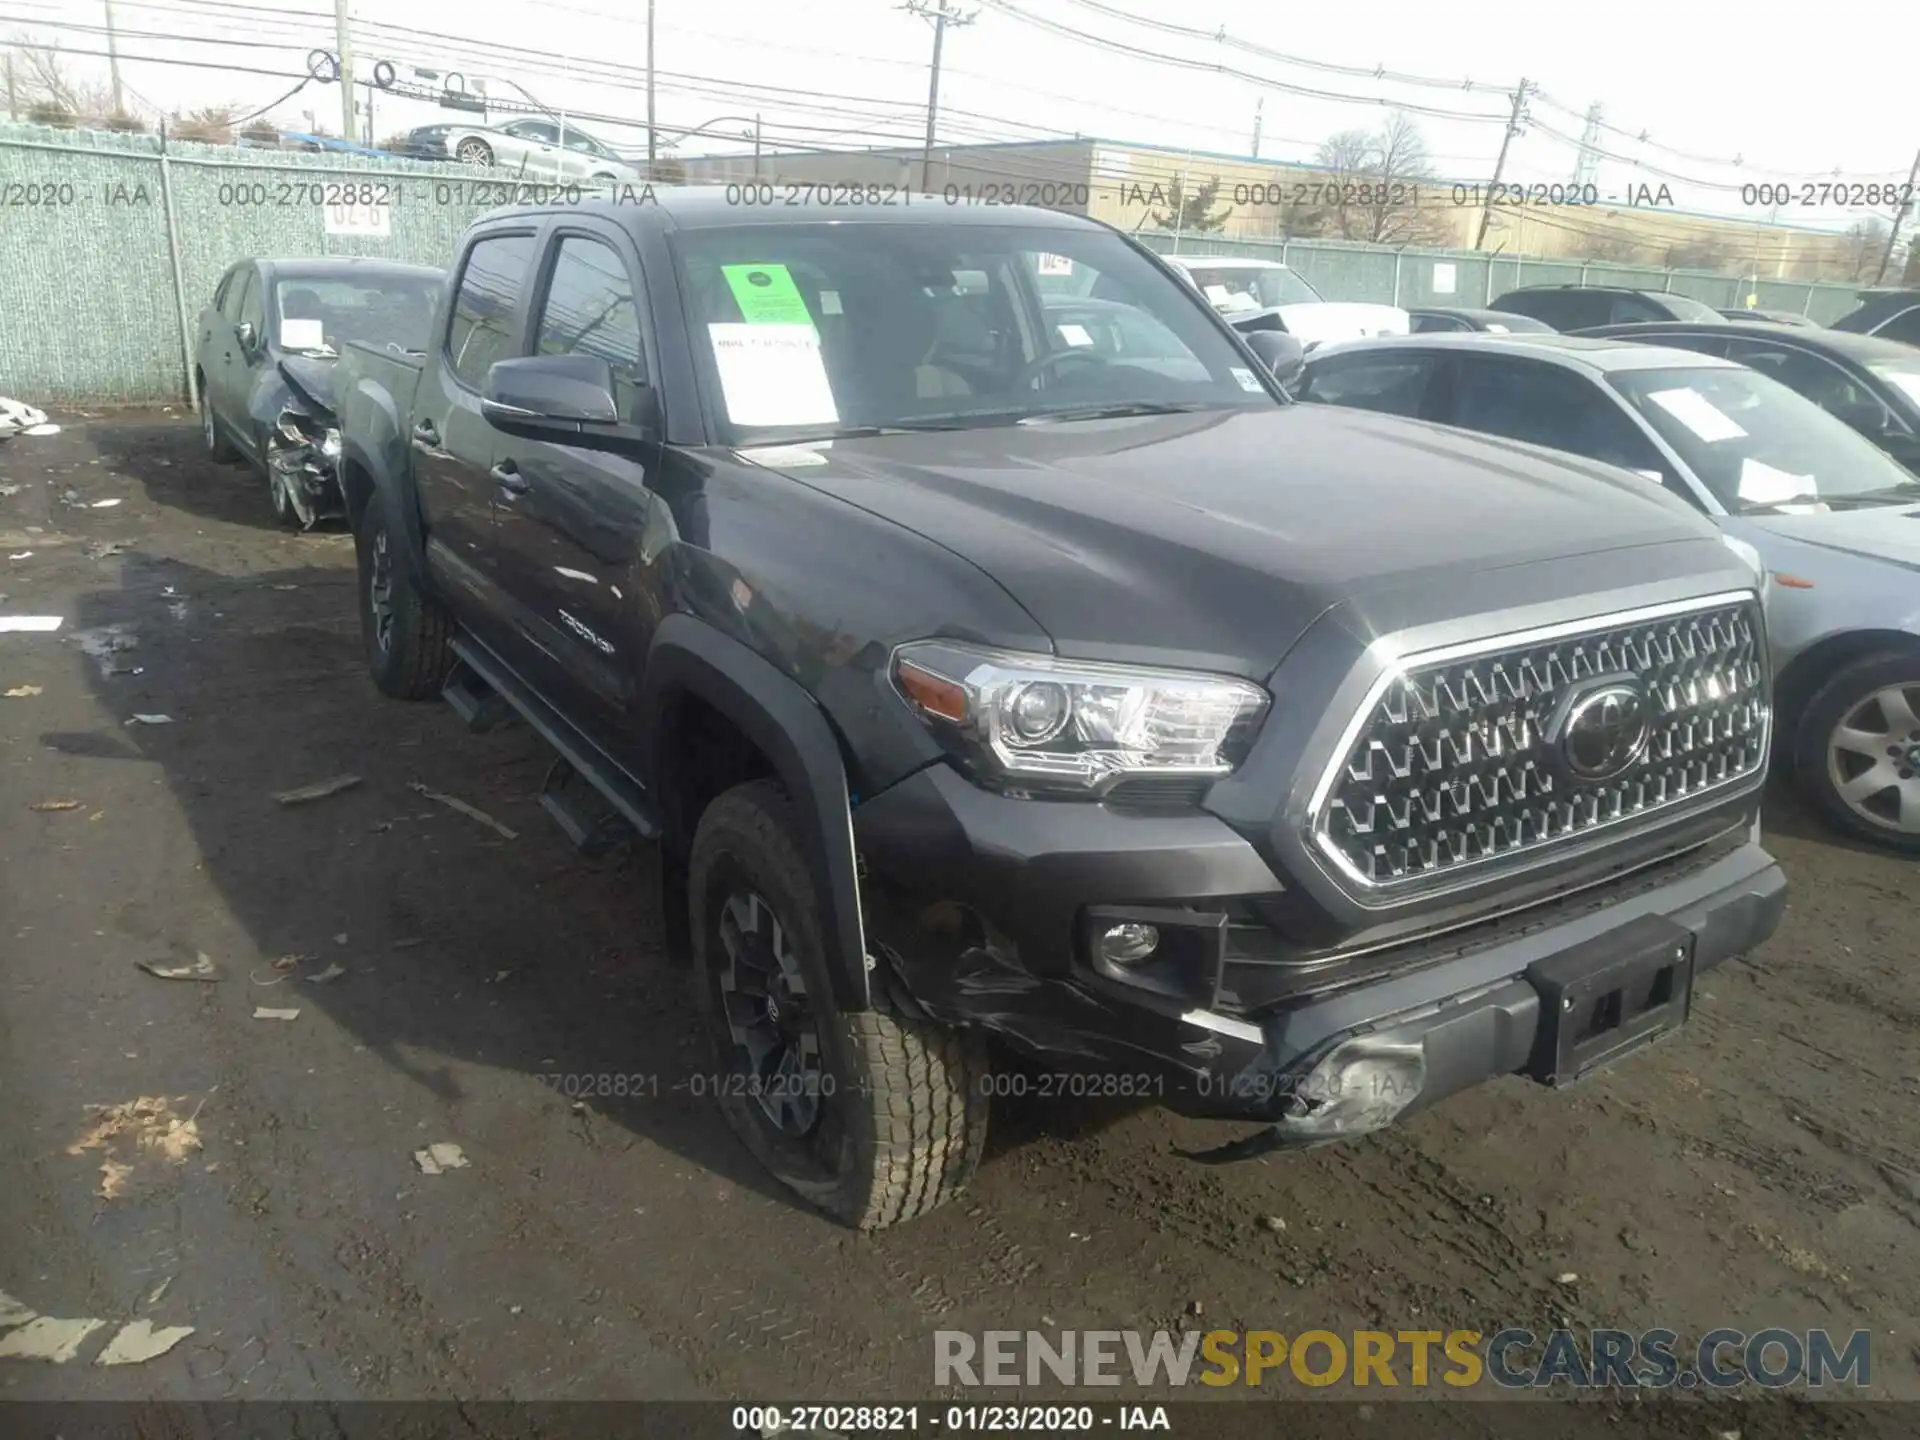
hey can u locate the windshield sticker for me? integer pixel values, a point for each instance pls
(830, 302)
(1697, 413)
(1248, 380)
(1907, 380)
(766, 295)
(1075, 335)
(785, 457)
(1762, 484)
(302, 334)
(1045, 264)
(773, 374)
(1495, 328)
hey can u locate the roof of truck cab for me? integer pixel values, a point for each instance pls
(341, 267)
(1576, 352)
(711, 207)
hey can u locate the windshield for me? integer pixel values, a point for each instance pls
(1757, 445)
(1251, 287)
(318, 315)
(822, 328)
(1903, 375)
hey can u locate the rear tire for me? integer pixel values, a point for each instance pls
(901, 1114)
(1857, 736)
(406, 631)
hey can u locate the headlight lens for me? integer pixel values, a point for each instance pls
(292, 425)
(1036, 721)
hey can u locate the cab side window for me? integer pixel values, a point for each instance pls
(481, 330)
(1391, 384)
(590, 309)
(1545, 405)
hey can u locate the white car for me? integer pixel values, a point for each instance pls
(531, 148)
(1244, 290)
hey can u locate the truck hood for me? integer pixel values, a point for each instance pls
(312, 381)
(1219, 537)
(1885, 532)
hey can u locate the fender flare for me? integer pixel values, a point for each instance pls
(690, 657)
(376, 428)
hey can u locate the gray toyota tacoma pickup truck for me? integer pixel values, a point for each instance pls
(980, 665)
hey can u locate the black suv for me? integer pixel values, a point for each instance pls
(1577, 307)
(975, 676)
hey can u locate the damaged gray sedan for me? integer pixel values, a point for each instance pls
(264, 367)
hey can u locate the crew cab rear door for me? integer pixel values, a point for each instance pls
(571, 520)
(453, 443)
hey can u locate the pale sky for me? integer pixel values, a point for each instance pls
(1797, 90)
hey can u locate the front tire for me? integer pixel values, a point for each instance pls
(406, 631)
(474, 151)
(1857, 750)
(873, 1117)
(219, 449)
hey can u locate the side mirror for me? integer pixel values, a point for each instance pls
(245, 334)
(565, 398)
(1280, 352)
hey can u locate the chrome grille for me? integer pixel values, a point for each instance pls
(1451, 765)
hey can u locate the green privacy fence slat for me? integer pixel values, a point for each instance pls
(1348, 270)
(88, 307)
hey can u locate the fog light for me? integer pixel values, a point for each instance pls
(1129, 944)
(1361, 1086)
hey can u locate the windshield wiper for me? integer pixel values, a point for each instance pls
(1119, 411)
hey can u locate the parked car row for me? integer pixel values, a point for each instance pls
(538, 148)
(990, 646)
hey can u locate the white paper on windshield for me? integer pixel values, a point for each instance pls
(1246, 378)
(830, 302)
(303, 334)
(1218, 294)
(785, 457)
(1697, 413)
(773, 374)
(1495, 328)
(1046, 264)
(1074, 334)
(1764, 485)
(1907, 380)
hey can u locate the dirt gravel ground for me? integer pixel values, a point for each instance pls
(608, 1238)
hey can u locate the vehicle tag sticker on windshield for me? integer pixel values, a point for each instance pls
(1248, 380)
(766, 295)
(830, 302)
(773, 374)
(1045, 264)
(302, 334)
(1697, 413)
(1075, 335)
(1764, 485)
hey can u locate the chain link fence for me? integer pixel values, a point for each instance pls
(114, 243)
(1346, 270)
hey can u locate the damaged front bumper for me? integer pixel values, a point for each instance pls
(997, 922)
(303, 468)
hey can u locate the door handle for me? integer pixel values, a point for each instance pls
(510, 479)
(425, 434)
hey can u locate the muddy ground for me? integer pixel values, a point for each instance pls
(1759, 1171)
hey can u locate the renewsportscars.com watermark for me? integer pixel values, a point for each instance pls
(1511, 1359)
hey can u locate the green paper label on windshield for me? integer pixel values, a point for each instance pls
(766, 295)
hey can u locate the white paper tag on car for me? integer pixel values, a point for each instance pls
(1762, 484)
(1247, 379)
(1075, 335)
(773, 374)
(1697, 413)
(303, 334)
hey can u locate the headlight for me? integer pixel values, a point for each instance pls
(330, 444)
(1045, 723)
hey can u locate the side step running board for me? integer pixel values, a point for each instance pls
(481, 687)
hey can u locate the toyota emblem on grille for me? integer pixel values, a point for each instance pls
(1604, 729)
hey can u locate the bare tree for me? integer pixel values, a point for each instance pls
(1195, 211)
(1610, 249)
(1866, 241)
(1376, 183)
(1705, 253)
(210, 124)
(45, 80)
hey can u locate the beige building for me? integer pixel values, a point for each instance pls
(1134, 187)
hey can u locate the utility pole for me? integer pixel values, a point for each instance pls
(1893, 231)
(1588, 164)
(941, 17)
(650, 145)
(756, 145)
(12, 108)
(343, 42)
(1520, 93)
(113, 60)
(1258, 106)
